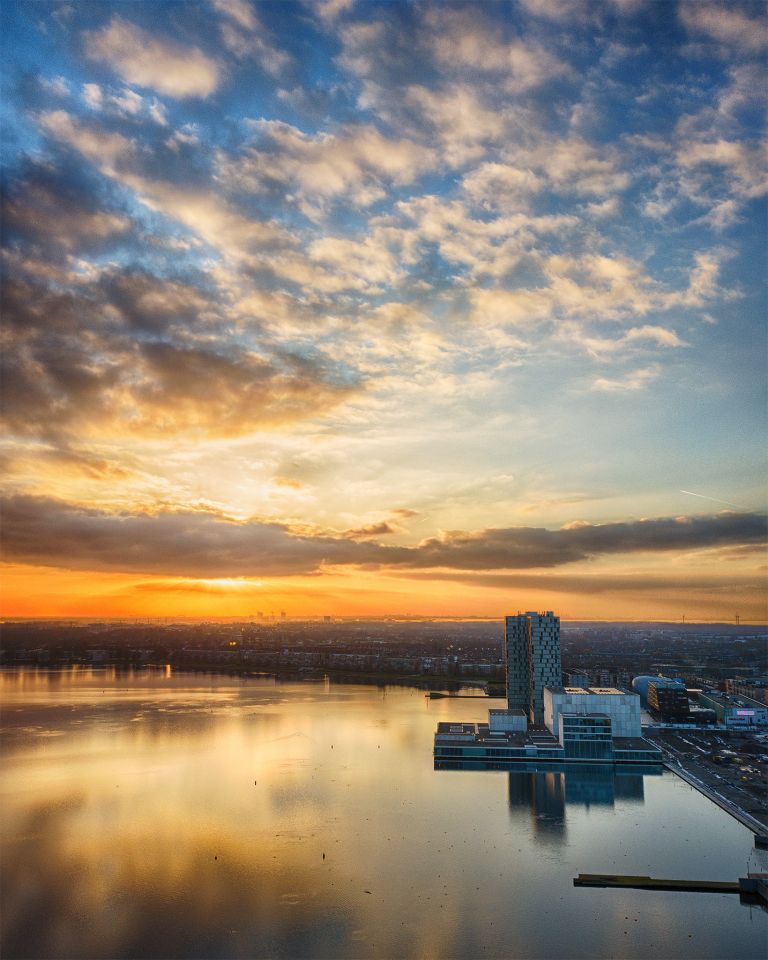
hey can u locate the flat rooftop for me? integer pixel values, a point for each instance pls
(603, 691)
(733, 699)
(464, 734)
(633, 743)
(459, 729)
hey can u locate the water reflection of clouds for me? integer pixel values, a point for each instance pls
(200, 830)
(127, 896)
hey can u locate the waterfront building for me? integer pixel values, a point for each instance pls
(621, 707)
(532, 646)
(581, 739)
(585, 736)
(544, 721)
(507, 721)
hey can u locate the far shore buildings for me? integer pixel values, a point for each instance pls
(544, 721)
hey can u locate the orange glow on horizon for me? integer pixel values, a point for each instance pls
(31, 592)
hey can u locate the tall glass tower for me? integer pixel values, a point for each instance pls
(533, 661)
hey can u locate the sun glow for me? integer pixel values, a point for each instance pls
(226, 583)
(427, 349)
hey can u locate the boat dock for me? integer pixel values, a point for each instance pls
(753, 885)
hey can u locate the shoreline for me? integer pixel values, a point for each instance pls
(729, 806)
(419, 680)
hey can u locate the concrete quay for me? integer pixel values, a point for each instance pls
(724, 803)
(706, 761)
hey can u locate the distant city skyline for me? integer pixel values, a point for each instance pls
(377, 308)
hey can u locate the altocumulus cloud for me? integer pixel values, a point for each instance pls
(40, 530)
(148, 61)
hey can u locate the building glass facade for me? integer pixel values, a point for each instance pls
(533, 661)
(586, 736)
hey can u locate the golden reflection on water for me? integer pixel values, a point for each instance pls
(153, 815)
(168, 818)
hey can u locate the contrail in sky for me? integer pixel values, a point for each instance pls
(714, 499)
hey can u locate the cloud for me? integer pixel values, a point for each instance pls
(680, 585)
(458, 118)
(125, 103)
(579, 11)
(726, 24)
(161, 64)
(605, 347)
(463, 39)
(239, 11)
(357, 162)
(500, 184)
(72, 367)
(199, 210)
(58, 86)
(744, 165)
(490, 246)
(659, 335)
(40, 530)
(191, 389)
(525, 547)
(557, 10)
(331, 10)
(242, 34)
(370, 531)
(58, 210)
(583, 291)
(630, 383)
(187, 544)
(573, 165)
(108, 151)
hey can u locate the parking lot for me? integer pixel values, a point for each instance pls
(734, 764)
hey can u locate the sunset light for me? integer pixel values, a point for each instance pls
(367, 309)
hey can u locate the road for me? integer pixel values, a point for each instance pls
(731, 768)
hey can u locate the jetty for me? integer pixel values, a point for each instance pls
(753, 885)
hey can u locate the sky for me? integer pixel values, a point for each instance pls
(357, 308)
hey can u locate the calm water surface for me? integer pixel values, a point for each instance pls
(157, 815)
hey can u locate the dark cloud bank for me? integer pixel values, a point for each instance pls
(39, 530)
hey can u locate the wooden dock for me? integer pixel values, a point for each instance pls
(752, 889)
(653, 883)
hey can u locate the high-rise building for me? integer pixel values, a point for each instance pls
(533, 661)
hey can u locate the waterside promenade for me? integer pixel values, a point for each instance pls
(744, 799)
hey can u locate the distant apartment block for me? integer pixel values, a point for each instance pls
(756, 688)
(668, 700)
(578, 678)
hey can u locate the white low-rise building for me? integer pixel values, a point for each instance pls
(621, 707)
(508, 721)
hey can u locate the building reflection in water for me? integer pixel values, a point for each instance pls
(545, 793)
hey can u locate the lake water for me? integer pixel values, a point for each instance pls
(151, 814)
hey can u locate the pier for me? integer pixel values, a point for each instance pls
(753, 885)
